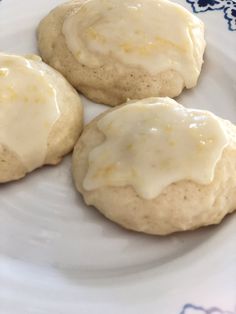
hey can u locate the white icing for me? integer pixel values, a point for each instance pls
(154, 142)
(28, 109)
(157, 35)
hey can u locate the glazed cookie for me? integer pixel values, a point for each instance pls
(156, 167)
(41, 116)
(114, 50)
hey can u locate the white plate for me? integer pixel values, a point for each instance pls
(59, 257)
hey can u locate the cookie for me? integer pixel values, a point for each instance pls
(113, 50)
(156, 167)
(41, 116)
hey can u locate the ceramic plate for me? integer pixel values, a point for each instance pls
(58, 256)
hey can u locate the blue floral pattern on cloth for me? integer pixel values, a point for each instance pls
(228, 8)
(193, 309)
